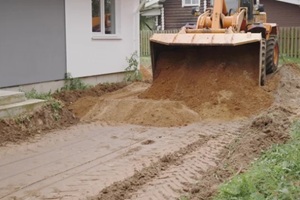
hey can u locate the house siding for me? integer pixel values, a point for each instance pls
(177, 16)
(88, 55)
(32, 41)
(284, 14)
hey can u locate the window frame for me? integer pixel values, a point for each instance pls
(191, 4)
(102, 35)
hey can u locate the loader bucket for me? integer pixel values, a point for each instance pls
(238, 52)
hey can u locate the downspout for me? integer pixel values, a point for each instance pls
(163, 18)
(204, 5)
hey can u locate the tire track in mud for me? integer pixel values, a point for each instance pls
(90, 178)
(172, 182)
(168, 177)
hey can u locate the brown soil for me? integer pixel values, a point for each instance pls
(46, 119)
(219, 86)
(265, 130)
(187, 88)
(180, 95)
(37, 123)
(268, 128)
(69, 97)
(146, 73)
(124, 189)
(271, 127)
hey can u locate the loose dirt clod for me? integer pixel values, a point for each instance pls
(148, 142)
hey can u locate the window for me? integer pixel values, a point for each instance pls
(232, 6)
(190, 3)
(104, 16)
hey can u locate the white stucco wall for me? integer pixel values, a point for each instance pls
(88, 55)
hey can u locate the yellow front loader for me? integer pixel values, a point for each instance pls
(233, 33)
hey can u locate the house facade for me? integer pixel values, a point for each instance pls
(284, 13)
(41, 40)
(179, 12)
(152, 14)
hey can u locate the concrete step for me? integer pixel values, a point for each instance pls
(11, 97)
(15, 109)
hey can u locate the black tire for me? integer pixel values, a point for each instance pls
(272, 54)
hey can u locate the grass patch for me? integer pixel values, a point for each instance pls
(288, 60)
(276, 175)
(33, 94)
(55, 104)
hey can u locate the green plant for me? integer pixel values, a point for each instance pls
(55, 105)
(288, 60)
(74, 83)
(275, 175)
(132, 71)
(33, 94)
(183, 198)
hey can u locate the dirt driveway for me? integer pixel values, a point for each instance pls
(130, 145)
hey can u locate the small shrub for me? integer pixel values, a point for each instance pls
(33, 94)
(132, 71)
(74, 83)
(55, 104)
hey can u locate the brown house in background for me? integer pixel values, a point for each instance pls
(177, 13)
(284, 14)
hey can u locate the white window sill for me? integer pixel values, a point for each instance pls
(189, 5)
(106, 37)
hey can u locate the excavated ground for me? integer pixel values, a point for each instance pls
(216, 85)
(230, 121)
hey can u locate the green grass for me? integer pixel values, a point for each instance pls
(276, 175)
(33, 94)
(56, 105)
(288, 60)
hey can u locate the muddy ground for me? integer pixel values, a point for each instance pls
(264, 115)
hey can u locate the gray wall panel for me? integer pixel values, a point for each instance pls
(32, 41)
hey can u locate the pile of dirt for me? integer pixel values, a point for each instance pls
(123, 106)
(271, 127)
(182, 95)
(141, 112)
(47, 118)
(70, 96)
(288, 92)
(216, 85)
(27, 126)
